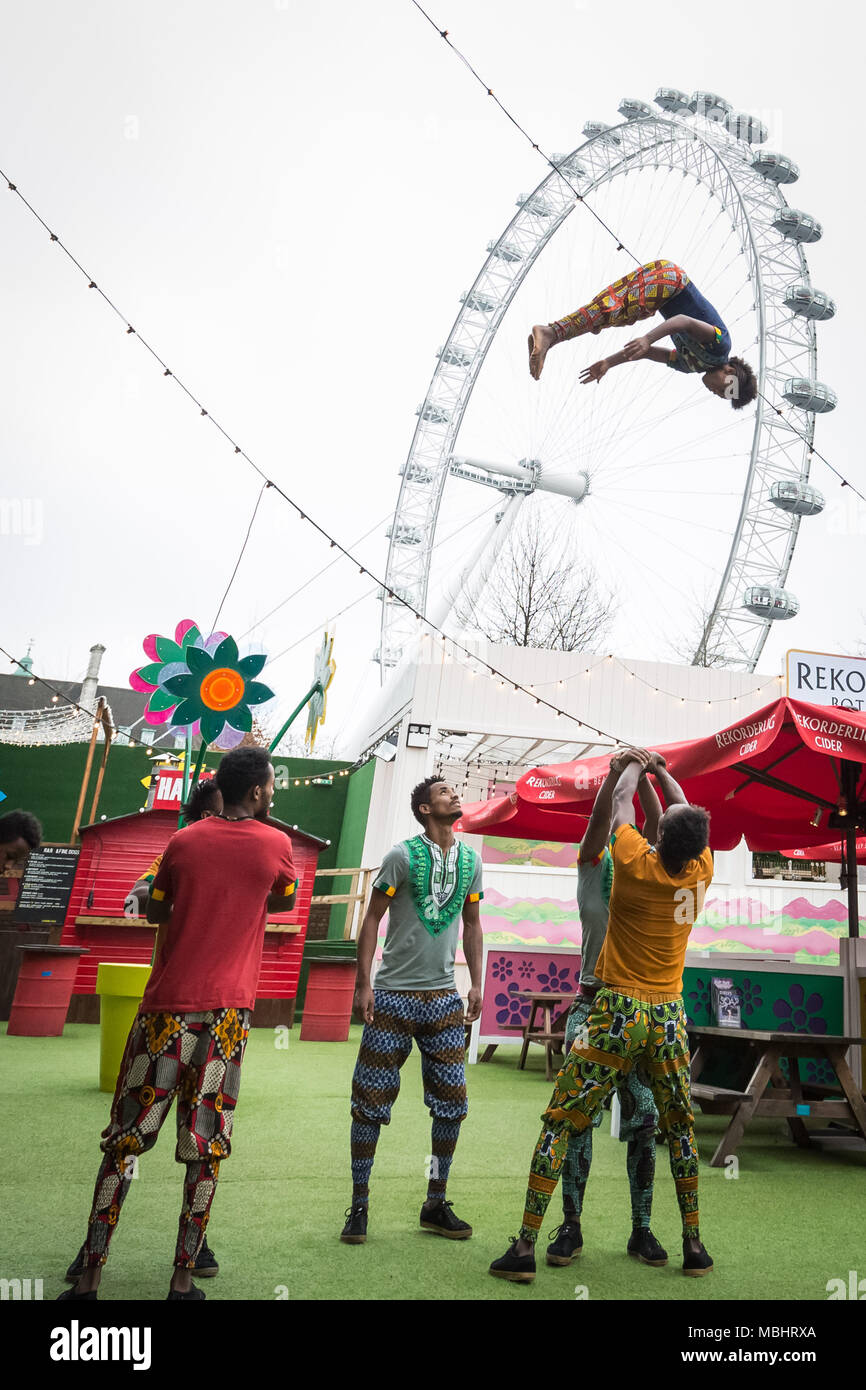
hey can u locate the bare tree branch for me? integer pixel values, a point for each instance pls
(534, 601)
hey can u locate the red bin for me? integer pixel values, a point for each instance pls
(43, 991)
(328, 1001)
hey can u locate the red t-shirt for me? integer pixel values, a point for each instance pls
(218, 875)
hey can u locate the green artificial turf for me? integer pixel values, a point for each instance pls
(791, 1220)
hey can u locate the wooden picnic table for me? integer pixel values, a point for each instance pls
(791, 1099)
(550, 1032)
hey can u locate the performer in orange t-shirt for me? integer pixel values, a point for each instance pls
(657, 895)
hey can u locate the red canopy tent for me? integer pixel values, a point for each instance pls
(775, 776)
(509, 815)
(829, 854)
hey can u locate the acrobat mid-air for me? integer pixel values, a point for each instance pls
(701, 342)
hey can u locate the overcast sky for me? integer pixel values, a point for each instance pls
(287, 200)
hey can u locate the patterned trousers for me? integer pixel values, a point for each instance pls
(195, 1057)
(636, 296)
(637, 1129)
(619, 1032)
(434, 1018)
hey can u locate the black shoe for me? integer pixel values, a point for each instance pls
(70, 1295)
(355, 1230)
(644, 1247)
(567, 1243)
(205, 1262)
(696, 1262)
(76, 1269)
(519, 1269)
(175, 1297)
(441, 1220)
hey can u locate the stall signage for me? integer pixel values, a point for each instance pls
(46, 886)
(821, 678)
(167, 789)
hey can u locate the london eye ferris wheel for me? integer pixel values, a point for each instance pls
(687, 511)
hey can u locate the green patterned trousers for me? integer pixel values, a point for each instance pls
(619, 1032)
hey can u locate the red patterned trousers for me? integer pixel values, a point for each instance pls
(195, 1058)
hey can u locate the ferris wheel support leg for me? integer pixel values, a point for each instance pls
(473, 580)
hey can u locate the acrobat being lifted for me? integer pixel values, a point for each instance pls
(701, 340)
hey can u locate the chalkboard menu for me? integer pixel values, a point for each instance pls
(46, 886)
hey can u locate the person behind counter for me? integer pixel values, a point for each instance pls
(20, 832)
(210, 898)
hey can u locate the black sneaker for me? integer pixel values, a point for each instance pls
(518, 1269)
(644, 1247)
(441, 1220)
(567, 1243)
(175, 1297)
(696, 1262)
(205, 1262)
(76, 1269)
(69, 1295)
(355, 1230)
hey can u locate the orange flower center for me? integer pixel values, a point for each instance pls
(222, 689)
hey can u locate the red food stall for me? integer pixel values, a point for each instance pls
(114, 853)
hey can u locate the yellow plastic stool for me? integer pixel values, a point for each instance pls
(120, 988)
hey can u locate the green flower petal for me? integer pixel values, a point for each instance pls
(212, 725)
(250, 666)
(240, 718)
(150, 673)
(183, 686)
(188, 712)
(198, 661)
(167, 650)
(161, 700)
(256, 693)
(226, 653)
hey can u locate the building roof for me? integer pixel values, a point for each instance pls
(127, 706)
(164, 811)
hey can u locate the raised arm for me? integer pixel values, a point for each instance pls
(680, 323)
(623, 796)
(671, 790)
(598, 826)
(651, 807)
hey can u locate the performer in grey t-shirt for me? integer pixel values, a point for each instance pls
(639, 1114)
(426, 885)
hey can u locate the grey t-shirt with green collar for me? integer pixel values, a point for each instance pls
(415, 956)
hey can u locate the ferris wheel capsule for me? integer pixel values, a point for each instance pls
(809, 303)
(797, 225)
(770, 602)
(710, 105)
(746, 127)
(809, 395)
(596, 128)
(673, 100)
(799, 499)
(633, 109)
(778, 168)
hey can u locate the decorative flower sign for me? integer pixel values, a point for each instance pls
(201, 685)
(323, 674)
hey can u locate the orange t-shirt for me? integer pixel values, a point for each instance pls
(651, 916)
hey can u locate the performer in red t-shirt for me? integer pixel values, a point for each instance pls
(215, 886)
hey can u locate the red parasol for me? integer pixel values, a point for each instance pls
(830, 854)
(510, 816)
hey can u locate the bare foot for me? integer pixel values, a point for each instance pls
(541, 340)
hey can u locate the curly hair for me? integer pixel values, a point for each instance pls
(745, 387)
(204, 797)
(421, 797)
(20, 825)
(240, 771)
(685, 836)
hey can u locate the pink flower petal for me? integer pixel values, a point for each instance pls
(138, 684)
(149, 645)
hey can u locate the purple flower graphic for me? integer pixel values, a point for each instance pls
(501, 968)
(750, 993)
(525, 969)
(797, 1014)
(700, 1010)
(513, 1012)
(555, 979)
(820, 1072)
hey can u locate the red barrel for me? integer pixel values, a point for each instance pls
(328, 1001)
(43, 991)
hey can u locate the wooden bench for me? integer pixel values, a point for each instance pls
(717, 1100)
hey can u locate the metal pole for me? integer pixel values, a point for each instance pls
(187, 758)
(849, 780)
(314, 689)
